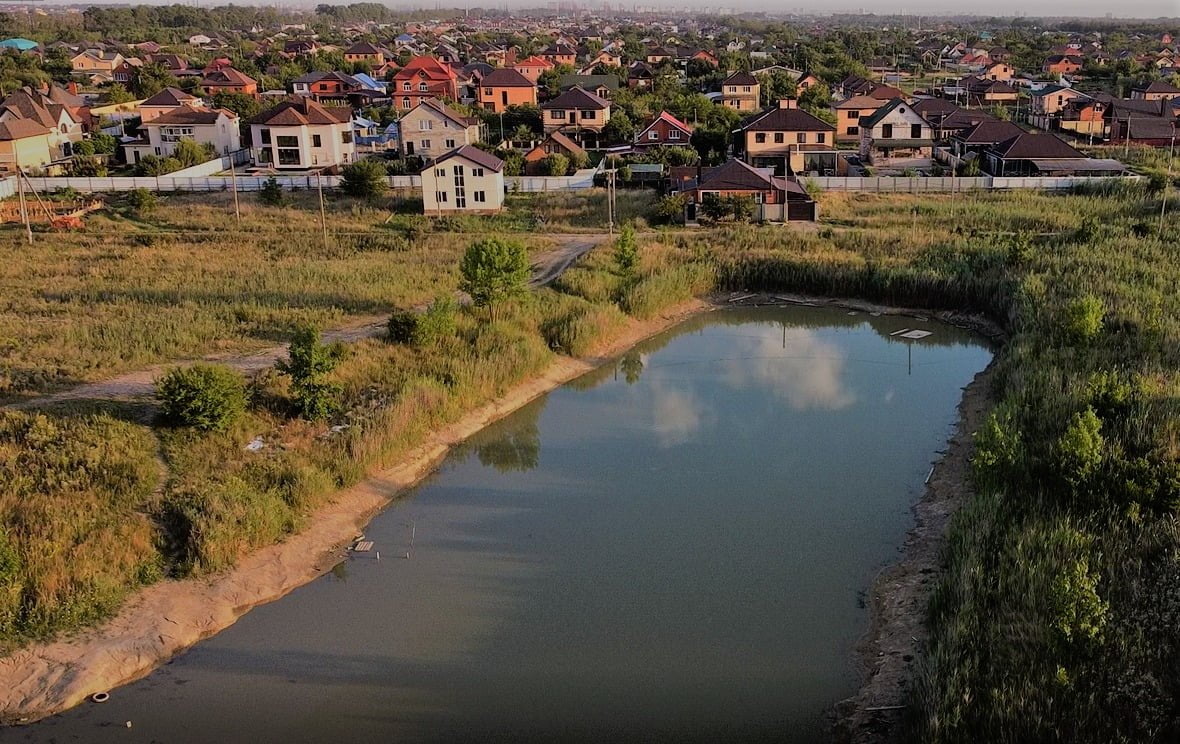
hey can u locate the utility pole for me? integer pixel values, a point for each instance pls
(233, 178)
(1167, 182)
(24, 210)
(323, 215)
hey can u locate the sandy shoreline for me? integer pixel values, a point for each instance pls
(165, 619)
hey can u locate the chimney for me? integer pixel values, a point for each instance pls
(788, 103)
(72, 87)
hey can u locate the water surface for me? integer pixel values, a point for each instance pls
(671, 548)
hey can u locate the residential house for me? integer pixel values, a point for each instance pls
(560, 54)
(897, 136)
(465, 180)
(303, 134)
(1153, 131)
(421, 78)
(24, 145)
(604, 58)
(125, 72)
(365, 53)
(1157, 90)
(741, 91)
(704, 55)
(533, 67)
(1062, 64)
(228, 80)
(998, 71)
(1086, 116)
(30, 104)
(1043, 154)
(165, 101)
(174, 63)
(94, 61)
(506, 87)
(432, 128)
(789, 140)
(664, 130)
(577, 112)
(640, 76)
(849, 112)
(299, 48)
(161, 136)
(776, 198)
(981, 91)
(657, 55)
(983, 135)
(603, 86)
(555, 143)
(1046, 104)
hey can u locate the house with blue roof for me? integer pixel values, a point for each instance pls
(21, 45)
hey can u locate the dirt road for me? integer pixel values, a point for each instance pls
(138, 386)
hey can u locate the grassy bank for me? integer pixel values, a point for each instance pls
(1055, 620)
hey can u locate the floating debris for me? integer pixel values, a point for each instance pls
(903, 330)
(255, 444)
(363, 546)
(100, 697)
(916, 334)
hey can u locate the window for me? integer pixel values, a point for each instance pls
(440, 172)
(653, 136)
(674, 134)
(405, 86)
(288, 157)
(916, 131)
(406, 101)
(425, 125)
(587, 114)
(853, 130)
(801, 137)
(760, 137)
(264, 135)
(854, 115)
(440, 197)
(745, 89)
(778, 137)
(422, 87)
(449, 144)
(480, 197)
(425, 144)
(487, 92)
(287, 141)
(477, 172)
(346, 137)
(821, 137)
(555, 114)
(316, 141)
(886, 131)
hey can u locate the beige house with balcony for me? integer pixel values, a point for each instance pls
(302, 135)
(789, 140)
(432, 128)
(577, 113)
(466, 180)
(741, 91)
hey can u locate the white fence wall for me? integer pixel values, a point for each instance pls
(946, 183)
(7, 187)
(200, 178)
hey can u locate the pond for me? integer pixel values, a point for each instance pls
(675, 547)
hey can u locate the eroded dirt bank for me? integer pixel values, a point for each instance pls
(167, 618)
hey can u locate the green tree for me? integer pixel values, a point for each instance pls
(365, 179)
(241, 104)
(714, 207)
(741, 206)
(308, 364)
(117, 93)
(103, 143)
(190, 152)
(153, 78)
(619, 129)
(1083, 318)
(626, 249)
(555, 164)
(209, 397)
(493, 270)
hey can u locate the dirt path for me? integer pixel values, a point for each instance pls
(138, 386)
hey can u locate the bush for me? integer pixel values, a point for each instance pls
(364, 179)
(1083, 319)
(555, 164)
(142, 201)
(207, 397)
(670, 209)
(417, 329)
(271, 193)
(626, 249)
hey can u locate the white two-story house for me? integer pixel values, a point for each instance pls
(466, 180)
(897, 136)
(302, 135)
(161, 135)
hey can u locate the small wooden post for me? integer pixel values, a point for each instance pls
(323, 215)
(24, 210)
(233, 177)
